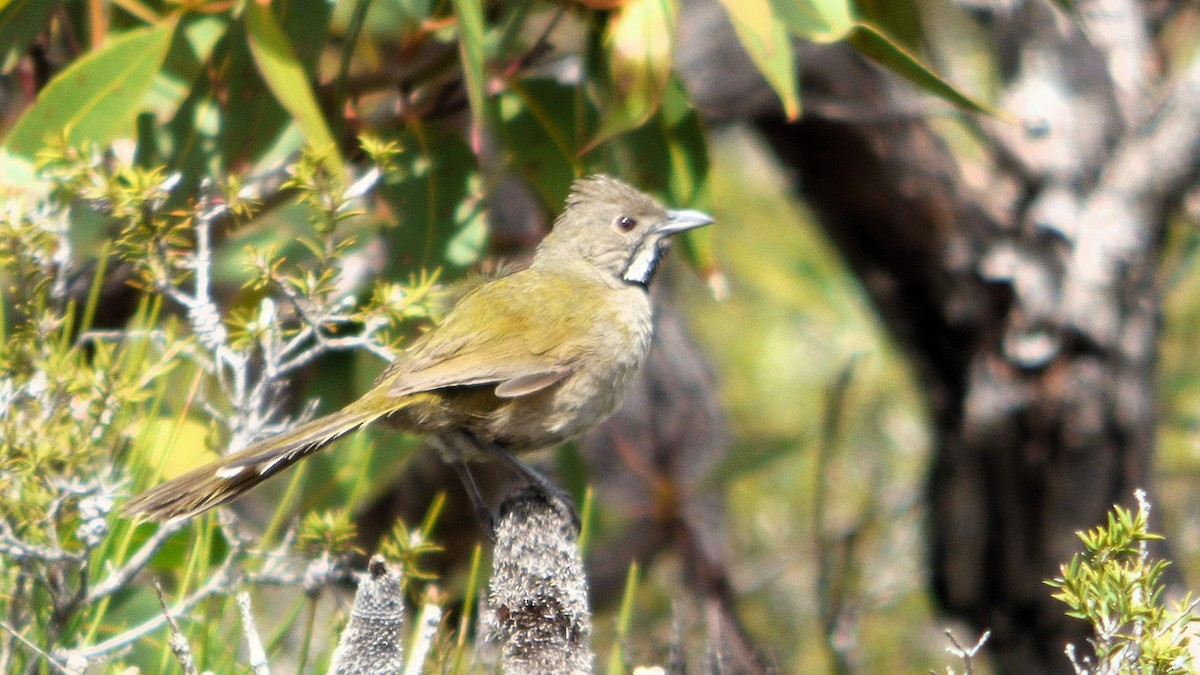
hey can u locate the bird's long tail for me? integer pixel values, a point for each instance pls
(229, 477)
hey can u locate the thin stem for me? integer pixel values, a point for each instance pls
(306, 642)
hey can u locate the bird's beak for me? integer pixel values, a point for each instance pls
(679, 220)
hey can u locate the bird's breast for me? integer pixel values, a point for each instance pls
(619, 345)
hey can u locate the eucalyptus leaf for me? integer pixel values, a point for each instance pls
(876, 44)
(437, 175)
(900, 20)
(97, 97)
(285, 76)
(640, 41)
(815, 20)
(541, 126)
(765, 38)
(471, 48)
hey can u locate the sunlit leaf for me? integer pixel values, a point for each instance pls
(17, 176)
(640, 41)
(174, 446)
(96, 97)
(471, 49)
(874, 43)
(285, 76)
(766, 40)
(815, 20)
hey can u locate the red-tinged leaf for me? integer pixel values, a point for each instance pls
(640, 41)
(765, 39)
(97, 97)
(286, 78)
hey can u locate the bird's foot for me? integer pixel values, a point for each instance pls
(552, 493)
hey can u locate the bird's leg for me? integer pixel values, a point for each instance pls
(487, 519)
(450, 446)
(549, 490)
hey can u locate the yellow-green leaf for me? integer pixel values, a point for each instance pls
(765, 39)
(876, 44)
(640, 41)
(98, 96)
(175, 446)
(284, 74)
(471, 49)
(816, 20)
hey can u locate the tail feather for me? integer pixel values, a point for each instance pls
(230, 477)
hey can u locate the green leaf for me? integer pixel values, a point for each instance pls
(184, 63)
(437, 223)
(471, 47)
(816, 20)
(640, 40)
(874, 43)
(765, 39)
(541, 126)
(901, 20)
(97, 97)
(286, 78)
(20, 22)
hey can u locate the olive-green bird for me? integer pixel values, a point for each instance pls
(521, 363)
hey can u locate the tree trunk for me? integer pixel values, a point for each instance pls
(1023, 286)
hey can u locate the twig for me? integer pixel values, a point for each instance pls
(257, 655)
(36, 649)
(13, 547)
(117, 579)
(178, 641)
(966, 653)
(425, 631)
(1150, 165)
(217, 583)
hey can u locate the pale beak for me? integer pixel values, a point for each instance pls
(679, 220)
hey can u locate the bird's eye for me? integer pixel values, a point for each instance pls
(625, 223)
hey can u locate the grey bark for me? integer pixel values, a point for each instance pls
(1026, 296)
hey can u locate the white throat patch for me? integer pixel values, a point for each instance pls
(643, 262)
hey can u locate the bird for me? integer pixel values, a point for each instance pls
(521, 362)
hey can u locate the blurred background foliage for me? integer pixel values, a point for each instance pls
(493, 109)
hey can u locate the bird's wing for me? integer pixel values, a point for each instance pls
(502, 334)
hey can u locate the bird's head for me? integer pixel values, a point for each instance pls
(615, 228)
